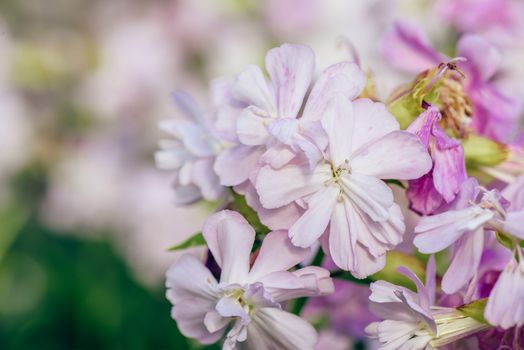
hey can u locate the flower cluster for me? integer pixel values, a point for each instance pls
(314, 175)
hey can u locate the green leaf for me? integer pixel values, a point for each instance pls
(481, 151)
(475, 310)
(240, 205)
(504, 240)
(196, 240)
(396, 182)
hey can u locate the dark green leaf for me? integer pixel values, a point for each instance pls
(193, 241)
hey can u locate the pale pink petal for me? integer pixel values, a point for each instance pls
(192, 290)
(276, 329)
(465, 262)
(233, 165)
(514, 223)
(292, 182)
(342, 241)
(398, 155)
(190, 316)
(183, 195)
(407, 47)
(251, 128)
(231, 307)
(338, 122)
(205, 178)
(230, 239)
(251, 87)
(276, 254)
(483, 59)
(188, 106)
(372, 121)
(369, 194)
(172, 155)
(505, 307)
(291, 70)
(194, 137)
(365, 263)
(277, 155)
(438, 232)
(314, 221)
(423, 196)
(276, 219)
(189, 278)
(214, 321)
(344, 78)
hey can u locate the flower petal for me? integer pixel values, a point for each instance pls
(465, 262)
(398, 155)
(252, 88)
(276, 254)
(230, 239)
(314, 221)
(344, 78)
(338, 122)
(289, 183)
(291, 69)
(203, 175)
(276, 329)
(233, 165)
(251, 128)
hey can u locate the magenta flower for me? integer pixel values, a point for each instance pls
(441, 185)
(264, 117)
(191, 153)
(247, 298)
(344, 197)
(474, 211)
(494, 114)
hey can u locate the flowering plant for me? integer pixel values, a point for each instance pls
(314, 178)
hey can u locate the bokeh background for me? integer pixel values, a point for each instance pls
(85, 217)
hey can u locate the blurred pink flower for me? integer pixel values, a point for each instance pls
(191, 154)
(495, 114)
(248, 297)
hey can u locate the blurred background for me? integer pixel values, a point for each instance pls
(85, 217)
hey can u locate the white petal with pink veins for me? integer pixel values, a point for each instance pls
(276, 329)
(338, 122)
(291, 70)
(465, 262)
(344, 78)
(292, 182)
(252, 88)
(276, 254)
(314, 221)
(233, 165)
(398, 155)
(251, 127)
(372, 121)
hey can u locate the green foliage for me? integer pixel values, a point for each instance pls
(240, 205)
(58, 292)
(193, 241)
(475, 310)
(481, 151)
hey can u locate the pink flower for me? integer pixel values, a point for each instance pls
(191, 153)
(408, 320)
(495, 114)
(474, 211)
(505, 307)
(264, 119)
(343, 195)
(442, 184)
(247, 297)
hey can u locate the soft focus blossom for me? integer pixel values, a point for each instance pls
(248, 297)
(495, 113)
(344, 194)
(191, 153)
(449, 171)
